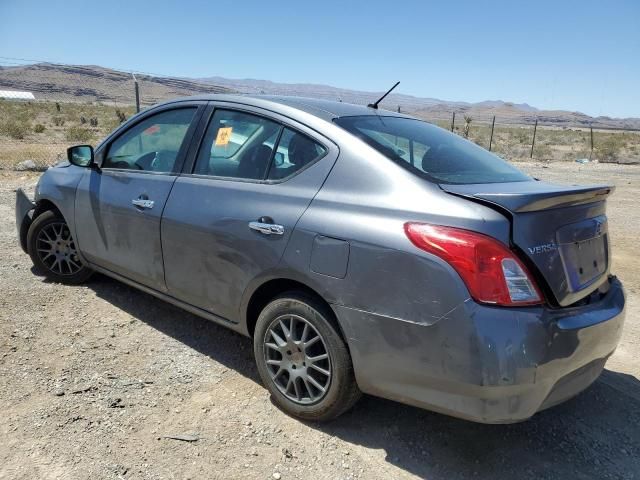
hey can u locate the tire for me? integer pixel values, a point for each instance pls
(52, 250)
(299, 384)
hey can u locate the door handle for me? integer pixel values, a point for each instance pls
(267, 228)
(142, 203)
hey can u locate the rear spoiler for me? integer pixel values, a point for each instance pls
(531, 196)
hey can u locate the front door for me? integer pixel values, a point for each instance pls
(231, 219)
(119, 207)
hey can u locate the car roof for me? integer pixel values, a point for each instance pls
(321, 108)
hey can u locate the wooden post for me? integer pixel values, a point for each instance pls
(137, 91)
(137, 97)
(453, 120)
(533, 142)
(493, 124)
(591, 153)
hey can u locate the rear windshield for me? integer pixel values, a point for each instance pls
(431, 151)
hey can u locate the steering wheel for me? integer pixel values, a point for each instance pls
(146, 161)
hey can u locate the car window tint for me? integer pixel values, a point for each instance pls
(295, 151)
(153, 144)
(430, 151)
(237, 145)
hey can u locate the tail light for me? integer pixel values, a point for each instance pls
(492, 272)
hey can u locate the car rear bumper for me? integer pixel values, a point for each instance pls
(23, 206)
(485, 364)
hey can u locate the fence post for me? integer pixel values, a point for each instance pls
(533, 142)
(591, 153)
(493, 123)
(137, 88)
(453, 120)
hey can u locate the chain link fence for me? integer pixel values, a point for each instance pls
(525, 138)
(45, 108)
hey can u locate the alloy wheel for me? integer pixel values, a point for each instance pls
(57, 250)
(297, 359)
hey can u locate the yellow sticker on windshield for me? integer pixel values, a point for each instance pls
(224, 135)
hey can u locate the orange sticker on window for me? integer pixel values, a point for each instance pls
(224, 135)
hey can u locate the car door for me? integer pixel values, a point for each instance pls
(230, 218)
(119, 206)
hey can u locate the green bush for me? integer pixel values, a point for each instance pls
(79, 134)
(14, 129)
(608, 150)
(39, 128)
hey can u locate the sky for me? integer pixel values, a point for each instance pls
(563, 54)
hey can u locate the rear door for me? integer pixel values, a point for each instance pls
(119, 207)
(229, 217)
(562, 230)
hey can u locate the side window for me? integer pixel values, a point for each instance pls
(295, 150)
(153, 144)
(237, 145)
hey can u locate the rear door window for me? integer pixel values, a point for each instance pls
(237, 145)
(251, 147)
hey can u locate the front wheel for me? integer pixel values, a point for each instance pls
(302, 359)
(53, 250)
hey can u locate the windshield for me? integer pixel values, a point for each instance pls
(431, 151)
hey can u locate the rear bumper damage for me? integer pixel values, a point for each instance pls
(24, 206)
(486, 364)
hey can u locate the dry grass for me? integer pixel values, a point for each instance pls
(41, 132)
(556, 144)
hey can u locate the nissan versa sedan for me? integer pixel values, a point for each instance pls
(362, 251)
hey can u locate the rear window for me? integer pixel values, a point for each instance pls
(431, 151)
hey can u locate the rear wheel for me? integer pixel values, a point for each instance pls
(302, 359)
(53, 250)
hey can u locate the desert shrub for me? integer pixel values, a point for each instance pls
(523, 137)
(93, 121)
(58, 121)
(121, 115)
(542, 151)
(39, 128)
(83, 120)
(79, 134)
(14, 129)
(608, 149)
(467, 125)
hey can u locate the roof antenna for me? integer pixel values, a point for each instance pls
(375, 104)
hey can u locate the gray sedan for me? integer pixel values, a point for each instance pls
(361, 250)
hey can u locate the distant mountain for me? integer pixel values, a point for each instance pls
(430, 108)
(97, 84)
(89, 83)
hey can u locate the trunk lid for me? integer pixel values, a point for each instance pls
(561, 230)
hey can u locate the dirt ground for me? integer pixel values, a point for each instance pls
(94, 379)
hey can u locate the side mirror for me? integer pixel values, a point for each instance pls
(80, 155)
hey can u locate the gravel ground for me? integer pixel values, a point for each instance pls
(96, 380)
